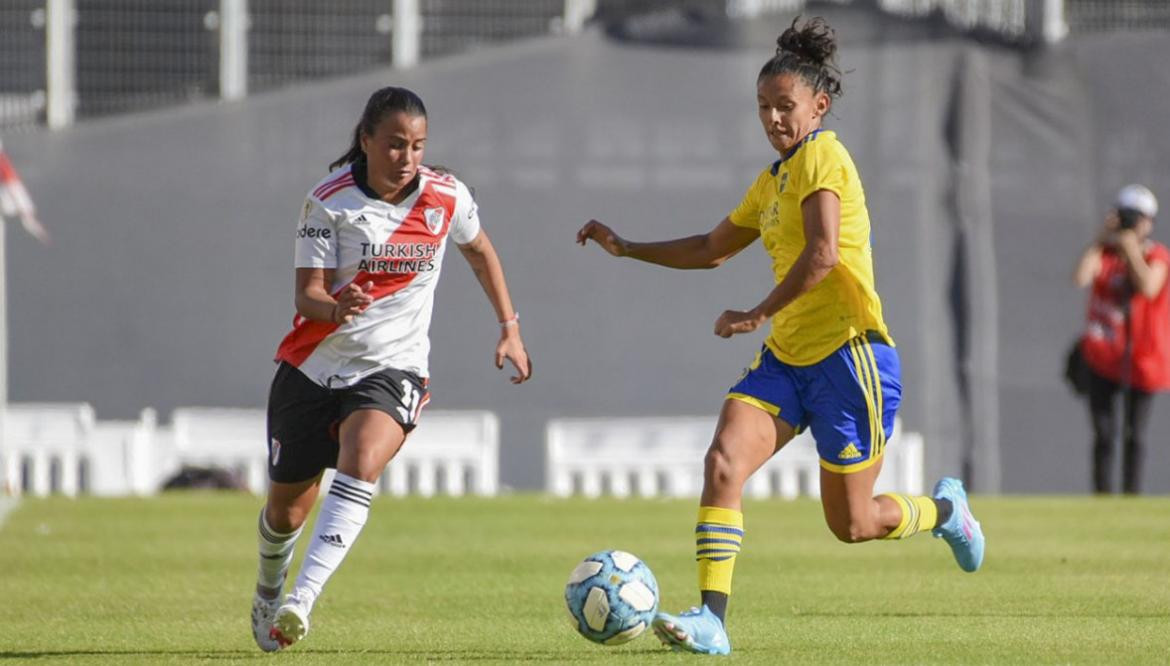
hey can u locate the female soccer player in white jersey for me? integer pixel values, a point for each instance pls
(828, 363)
(352, 377)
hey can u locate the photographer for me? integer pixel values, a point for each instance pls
(1126, 343)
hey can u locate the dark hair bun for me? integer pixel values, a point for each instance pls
(814, 42)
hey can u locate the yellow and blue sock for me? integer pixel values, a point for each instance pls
(718, 536)
(919, 514)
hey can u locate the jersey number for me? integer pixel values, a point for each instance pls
(410, 397)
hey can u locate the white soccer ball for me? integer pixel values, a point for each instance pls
(612, 597)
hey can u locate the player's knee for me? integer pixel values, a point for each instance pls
(854, 530)
(719, 466)
(365, 459)
(370, 465)
(285, 519)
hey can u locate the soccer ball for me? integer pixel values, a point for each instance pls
(612, 597)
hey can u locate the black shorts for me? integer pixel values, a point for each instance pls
(304, 417)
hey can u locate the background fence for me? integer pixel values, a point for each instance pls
(63, 449)
(130, 55)
(127, 55)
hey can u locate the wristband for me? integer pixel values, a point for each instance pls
(514, 321)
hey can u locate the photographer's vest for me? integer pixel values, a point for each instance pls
(1127, 336)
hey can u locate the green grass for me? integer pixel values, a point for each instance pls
(480, 581)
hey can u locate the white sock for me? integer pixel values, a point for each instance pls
(340, 521)
(276, 553)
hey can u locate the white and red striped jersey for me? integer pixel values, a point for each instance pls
(399, 247)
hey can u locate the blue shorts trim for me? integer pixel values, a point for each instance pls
(848, 400)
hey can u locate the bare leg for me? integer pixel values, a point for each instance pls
(745, 439)
(280, 522)
(851, 511)
(288, 504)
(368, 440)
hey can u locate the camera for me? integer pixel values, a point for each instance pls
(1128, 218)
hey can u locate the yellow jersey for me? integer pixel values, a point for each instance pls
(843, 305)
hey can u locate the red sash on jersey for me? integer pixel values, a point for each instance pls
(307, 334)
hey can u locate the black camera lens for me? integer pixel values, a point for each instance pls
(1128, 218)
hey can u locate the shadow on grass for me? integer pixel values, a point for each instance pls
(57, 654)
(969, 615)
(468, 655)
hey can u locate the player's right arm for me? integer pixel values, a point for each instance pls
(707, 250)
(313, 300)
(316, 263)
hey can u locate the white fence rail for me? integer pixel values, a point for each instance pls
(651, 457)
(62, 449)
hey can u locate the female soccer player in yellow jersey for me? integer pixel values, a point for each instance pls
(828, 363)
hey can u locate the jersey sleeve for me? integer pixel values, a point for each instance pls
(747, 213)
(824, 167)
(316, 237)
(465, 222)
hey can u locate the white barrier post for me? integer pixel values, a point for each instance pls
(406, 47)
(60, 62)
(233, 49)
(664, 456)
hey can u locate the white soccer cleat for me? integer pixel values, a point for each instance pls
(263, 610)
(290, 624)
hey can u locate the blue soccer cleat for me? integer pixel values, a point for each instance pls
(961, 531)
(697, 630)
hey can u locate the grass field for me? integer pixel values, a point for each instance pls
(480, 581)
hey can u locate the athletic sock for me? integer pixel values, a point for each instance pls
(944, 508)
(718, 536)
(919, 513)
(716, 602)
(276, 553)
(341, 518)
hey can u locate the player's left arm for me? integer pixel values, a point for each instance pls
(822, 230)
(485, 263)
(1147, 277)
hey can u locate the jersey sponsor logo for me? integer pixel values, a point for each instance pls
(275, 451)
(313, 232)
(435, 218)
(397, 257)
(361, 220)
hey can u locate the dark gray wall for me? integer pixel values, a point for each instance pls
(169, 279)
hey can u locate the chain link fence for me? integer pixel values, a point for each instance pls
(131, 55)
(451, 26)
(1102, 15)
(139, 54)
(22, 64)
(294, 40)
